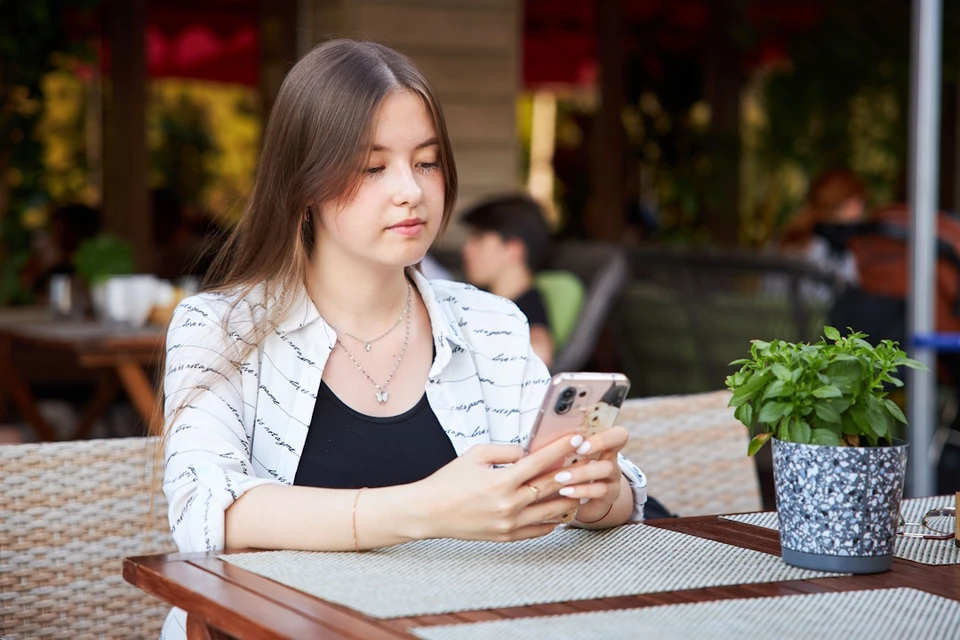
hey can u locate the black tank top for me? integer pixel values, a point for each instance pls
(346, 449)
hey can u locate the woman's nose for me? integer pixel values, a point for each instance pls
(407, 190)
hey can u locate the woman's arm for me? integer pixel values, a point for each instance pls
(469, 499)
(311, 519)
(207, 387)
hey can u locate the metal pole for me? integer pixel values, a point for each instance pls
(923, 186)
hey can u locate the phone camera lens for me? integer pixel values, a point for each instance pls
(568, 393)
(562, 407)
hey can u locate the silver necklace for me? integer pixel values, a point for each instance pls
(382, 394)
(367, 343)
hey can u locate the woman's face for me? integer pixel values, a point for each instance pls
(396, 212)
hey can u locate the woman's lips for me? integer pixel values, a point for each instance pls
(409, 227)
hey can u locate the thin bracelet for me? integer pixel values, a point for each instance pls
(600, 518)
(356, 499)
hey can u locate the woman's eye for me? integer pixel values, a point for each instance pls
(428, 166)
(373, 171)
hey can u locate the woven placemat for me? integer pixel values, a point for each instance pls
(884, 613)
(444, 576)
(932, 552)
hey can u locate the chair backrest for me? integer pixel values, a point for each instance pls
(69, 513)
(563, 295)
(694, 453)
(685, 315)
(606, 268)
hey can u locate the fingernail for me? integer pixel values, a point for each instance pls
(584, 500)
(563, 476)
(566, 491)
(576, 440)
(583, 448)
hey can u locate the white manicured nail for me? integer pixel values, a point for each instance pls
(584, 448)
(566, 491)
(576, 440)
(584, 500)
(563, 476)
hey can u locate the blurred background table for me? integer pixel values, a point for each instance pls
(117, 357)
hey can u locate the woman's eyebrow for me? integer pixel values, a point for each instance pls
(423, 145)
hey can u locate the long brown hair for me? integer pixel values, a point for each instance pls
(317, 140)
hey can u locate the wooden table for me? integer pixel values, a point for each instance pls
(120, 355)
(224, 600)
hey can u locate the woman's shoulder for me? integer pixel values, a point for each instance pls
(483, 319)
(232, 310)
(465, 300)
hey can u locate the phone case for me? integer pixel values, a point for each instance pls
(584, 403)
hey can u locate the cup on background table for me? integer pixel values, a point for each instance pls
(66, 297)
(128, 300)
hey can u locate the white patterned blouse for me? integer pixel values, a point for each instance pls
(248, 429)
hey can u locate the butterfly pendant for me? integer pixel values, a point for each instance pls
(382, 396)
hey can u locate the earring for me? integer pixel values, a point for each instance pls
(307, 216)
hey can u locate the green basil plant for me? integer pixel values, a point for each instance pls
(833, 392)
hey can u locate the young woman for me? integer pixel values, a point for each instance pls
(324, 395)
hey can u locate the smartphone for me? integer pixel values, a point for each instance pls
(584, 403)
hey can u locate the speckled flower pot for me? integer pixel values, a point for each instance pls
(838, 506)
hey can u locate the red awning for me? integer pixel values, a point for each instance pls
(559, 43)
(219, 44)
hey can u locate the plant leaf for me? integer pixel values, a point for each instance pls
(861, 420)
(845, 374)
(827, 413)
(778, 389)
(913, 364)
(826, 437)
(757, 442)
(894, 410)
(772, 412)
(897, 382)
(799, 431)
(827, 391)
(749, 387)
(831, 333)
(744, 414)
(878, 419)
(781, 372)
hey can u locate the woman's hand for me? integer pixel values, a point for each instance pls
(597, 484)
(470, 500)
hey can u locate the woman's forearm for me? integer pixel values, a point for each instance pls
(305, 518)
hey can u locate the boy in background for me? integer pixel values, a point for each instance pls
(508, 242)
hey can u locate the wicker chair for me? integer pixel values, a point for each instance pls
(694, 453)
(69, 513)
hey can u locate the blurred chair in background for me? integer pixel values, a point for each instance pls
(605, 270)
(563, 295)
(685, 315)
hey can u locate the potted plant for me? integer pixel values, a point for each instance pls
(838, 467)
(97, 260)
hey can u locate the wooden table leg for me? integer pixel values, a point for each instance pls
(197, 629)
(107, 389)
(139, 388)
(21, 393)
